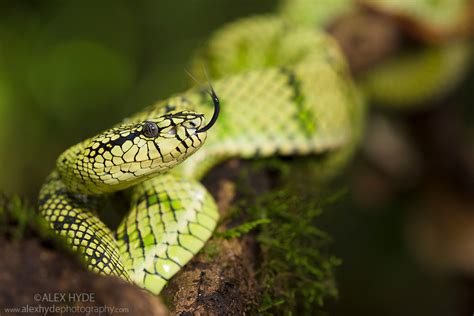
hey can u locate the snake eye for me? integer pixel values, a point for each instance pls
(150, 129)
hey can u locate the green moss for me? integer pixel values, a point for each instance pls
(242, 229)
(16, 218)
(296, 271)
(210, 250)
(18, 221)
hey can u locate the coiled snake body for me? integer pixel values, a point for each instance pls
(286, 91)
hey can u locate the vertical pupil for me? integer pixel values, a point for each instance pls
(150, 129)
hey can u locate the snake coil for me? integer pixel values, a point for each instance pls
(285, 90)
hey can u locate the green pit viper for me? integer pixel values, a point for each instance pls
(283, 90)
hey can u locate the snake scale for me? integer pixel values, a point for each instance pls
(283, 90)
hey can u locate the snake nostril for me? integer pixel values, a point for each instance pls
(173, 131)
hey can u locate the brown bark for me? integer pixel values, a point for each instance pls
(33, 275)
(222, 283)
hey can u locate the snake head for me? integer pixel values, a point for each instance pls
(129, 153)
(132, 152)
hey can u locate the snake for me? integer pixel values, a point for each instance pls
(277, 90)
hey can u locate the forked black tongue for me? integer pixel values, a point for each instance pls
(217, 108)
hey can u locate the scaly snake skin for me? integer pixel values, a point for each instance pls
(283, 90)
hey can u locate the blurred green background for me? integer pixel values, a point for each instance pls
(69, 69)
